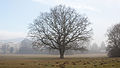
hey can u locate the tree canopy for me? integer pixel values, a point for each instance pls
(113, 35)
(63, 28)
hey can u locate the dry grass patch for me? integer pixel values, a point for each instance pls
(55, 62)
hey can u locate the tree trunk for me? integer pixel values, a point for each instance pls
(61, 54)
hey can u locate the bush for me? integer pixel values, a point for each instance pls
(114, 52)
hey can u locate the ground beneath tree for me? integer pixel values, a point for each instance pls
(44, 61)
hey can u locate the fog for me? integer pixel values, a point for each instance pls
(26, 47)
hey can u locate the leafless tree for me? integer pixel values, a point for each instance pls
(61, 29)
(113, 35)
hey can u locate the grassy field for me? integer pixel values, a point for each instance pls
(52, 61)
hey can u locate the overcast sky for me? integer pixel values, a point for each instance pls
(15, 15)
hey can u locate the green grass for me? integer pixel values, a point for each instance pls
(54, 62)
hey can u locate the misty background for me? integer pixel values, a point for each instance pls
(16, 15)
(26, 47)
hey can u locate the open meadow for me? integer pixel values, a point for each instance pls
(53, 61)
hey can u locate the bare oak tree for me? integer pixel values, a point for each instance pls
(61, 29)
(113, 35)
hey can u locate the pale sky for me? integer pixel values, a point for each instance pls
(15, 15)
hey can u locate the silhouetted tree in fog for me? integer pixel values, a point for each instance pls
(113, 35)
(94, 48)
(59, 29)
(5, 48)
(103, 47)
(26, 47)
(11, 49)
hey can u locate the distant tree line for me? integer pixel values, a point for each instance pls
(6, 49)
(26, 47)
